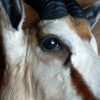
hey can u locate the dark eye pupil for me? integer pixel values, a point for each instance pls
(49, 44)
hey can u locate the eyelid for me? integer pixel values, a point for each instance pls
(42, 39)
(45, 39)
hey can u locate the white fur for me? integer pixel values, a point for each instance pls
(94, 44)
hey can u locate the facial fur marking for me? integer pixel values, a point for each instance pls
(81, 27)
(80, 85)
(29, 22)
(68, 59)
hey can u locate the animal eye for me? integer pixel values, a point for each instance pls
(49, 43)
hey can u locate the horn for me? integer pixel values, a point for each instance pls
(13, 9)
(49, 9)
(74, 9)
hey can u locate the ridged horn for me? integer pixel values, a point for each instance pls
(49, 9)
(74, 9)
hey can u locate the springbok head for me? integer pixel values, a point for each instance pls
(55, 59)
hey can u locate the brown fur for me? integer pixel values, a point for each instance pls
(30, 18)
(80, 85)
(81, 27)
(86, 2)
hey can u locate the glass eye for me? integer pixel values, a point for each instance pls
(49, 43)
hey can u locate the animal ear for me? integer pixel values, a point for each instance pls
(14, 11)
(93, 13)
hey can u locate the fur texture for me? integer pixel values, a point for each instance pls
(33, 74)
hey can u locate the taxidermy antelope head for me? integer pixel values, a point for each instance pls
(56, 58)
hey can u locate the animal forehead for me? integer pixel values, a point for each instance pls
(68, 24)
